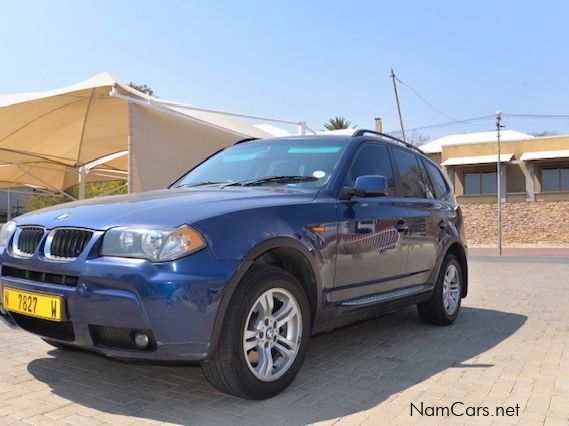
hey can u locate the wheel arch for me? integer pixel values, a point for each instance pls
(285, 252)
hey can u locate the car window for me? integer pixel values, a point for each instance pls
(312, 160)
(429, 188)
(372, 160)
(411, 177)
(439, 182)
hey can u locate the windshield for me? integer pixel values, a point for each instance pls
(281, 162)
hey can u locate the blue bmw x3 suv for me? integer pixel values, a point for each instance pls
(242, 259)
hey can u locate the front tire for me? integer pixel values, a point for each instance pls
(264, 335)
(444, 305)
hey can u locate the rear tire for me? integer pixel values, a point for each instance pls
(444, 305)
(264, 335)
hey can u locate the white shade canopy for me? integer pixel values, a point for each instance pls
(47, 136)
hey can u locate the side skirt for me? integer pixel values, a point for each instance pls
(387, 296)
(356, 310)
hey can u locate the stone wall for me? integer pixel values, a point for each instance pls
(540, 222)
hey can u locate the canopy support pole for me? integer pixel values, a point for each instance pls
(160, 106)
(46, 183)
(84, 125)
(129, 147)
(82, 181)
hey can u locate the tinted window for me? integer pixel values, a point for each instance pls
(439, 182)
(372, 160)
(478, 183)
(554, 180)
(429, 189)
(412, 183)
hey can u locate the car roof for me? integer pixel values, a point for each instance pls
(359, 136)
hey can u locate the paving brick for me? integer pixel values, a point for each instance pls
(509, 346)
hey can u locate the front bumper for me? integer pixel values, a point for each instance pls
(174, 302)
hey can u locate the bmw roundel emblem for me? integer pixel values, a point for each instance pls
(62, 216)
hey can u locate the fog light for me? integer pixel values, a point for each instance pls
(141, 340)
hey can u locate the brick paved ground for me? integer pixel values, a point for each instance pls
(509, 346)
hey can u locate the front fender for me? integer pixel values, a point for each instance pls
(300, 245)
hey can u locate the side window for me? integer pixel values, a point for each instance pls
(372, 160)
(411, 175)
(442, 189)
(428, 185)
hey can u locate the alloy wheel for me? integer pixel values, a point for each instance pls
(451, 289)
(272, 334)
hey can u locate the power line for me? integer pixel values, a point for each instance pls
(430, 105)
(537, 116)
(483, 117)
(425, 101)
(451, 123)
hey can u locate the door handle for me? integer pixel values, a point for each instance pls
(401, 225)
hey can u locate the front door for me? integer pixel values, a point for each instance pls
(371, 233)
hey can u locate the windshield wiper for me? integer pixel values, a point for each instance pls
(268, 179)
(191, 185)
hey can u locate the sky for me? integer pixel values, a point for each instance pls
(305, 60)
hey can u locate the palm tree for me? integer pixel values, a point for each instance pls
(144, 88)
(338, 123)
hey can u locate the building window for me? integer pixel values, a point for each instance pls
(479, 183)
(553, 180)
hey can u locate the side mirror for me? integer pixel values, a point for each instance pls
(368, 186)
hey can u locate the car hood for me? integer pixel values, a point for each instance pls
(167, 207)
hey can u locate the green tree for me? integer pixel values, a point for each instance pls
(144, 88)
(93, 189)
(338, 123)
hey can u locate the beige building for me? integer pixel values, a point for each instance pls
(533, 168)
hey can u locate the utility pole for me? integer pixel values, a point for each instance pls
(393, 78)
(499, 126)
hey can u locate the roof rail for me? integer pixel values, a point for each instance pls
(245, 140)
(362, 132)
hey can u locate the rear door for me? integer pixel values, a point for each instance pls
(418, 196)
(371, 250)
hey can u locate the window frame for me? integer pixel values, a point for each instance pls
(479, 173)
(559, 179)
(448, 191)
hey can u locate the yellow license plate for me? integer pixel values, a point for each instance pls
(32, 304)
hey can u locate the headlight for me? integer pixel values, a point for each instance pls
(154, 244)
(6, 233)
